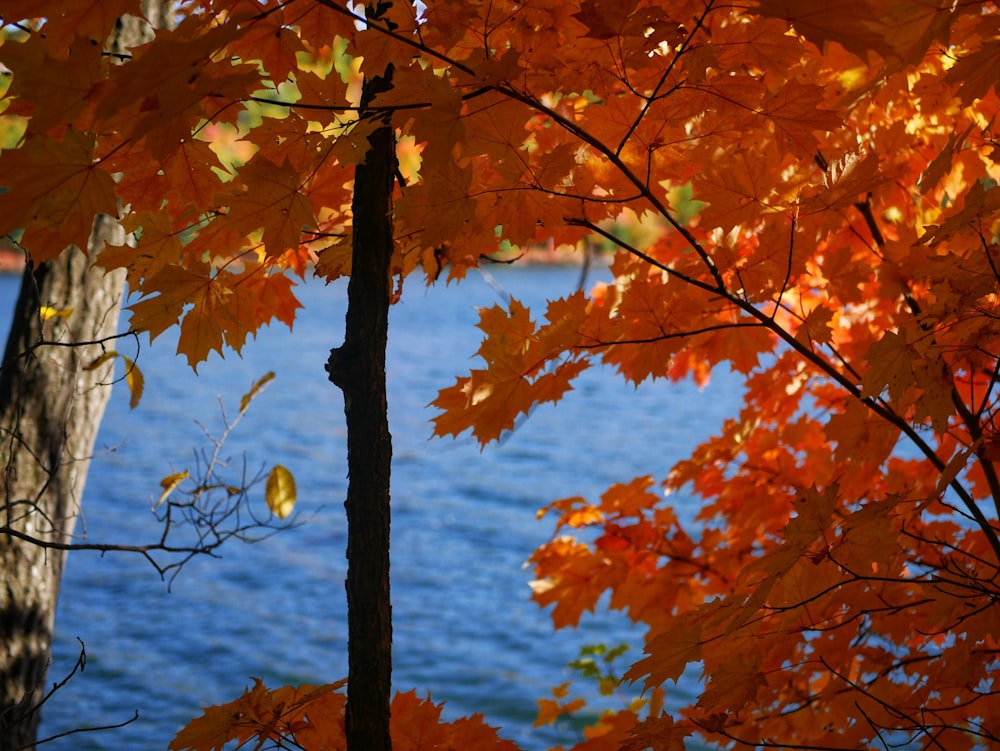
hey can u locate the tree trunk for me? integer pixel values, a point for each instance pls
(358, 368)
(51, 407)
(50, 411)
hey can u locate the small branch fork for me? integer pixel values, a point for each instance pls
(204, 513)
(78, 667)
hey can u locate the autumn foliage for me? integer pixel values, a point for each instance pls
(312, 717)
(836, 245)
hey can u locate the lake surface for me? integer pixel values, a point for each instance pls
(463, 524)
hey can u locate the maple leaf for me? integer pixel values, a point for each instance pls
(799, 112)
(516, 378)
(816, 326)
(741, 344)
(660, 733)
(870, 543)
(215, 311)
(550, 710)
(334, 261)
(158, 246)
(899, 31)
(576, 512)
(270, 295)
(220, 724)
(210, 732)
(439, 204)
(979, 202)
(473, 733)
(59, 192)
(602, 21)
(268, 197)
(669, 653)
(93, 20)
(156, 313)
(166, 83)
(630, 499)
(889, 367)
(417, 725)
(813, 512)
(70, 78)
(183, 180)
(206, 324)
(976, 73)
(417, 722)
(733, 684)
(351, 146)
(318, 26)
(572, 577)
(270, 41)
(312, 714)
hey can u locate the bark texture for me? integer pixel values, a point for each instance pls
(50, 410)
(51, 407)
(358, 368)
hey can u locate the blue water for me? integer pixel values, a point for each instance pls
(464, 524)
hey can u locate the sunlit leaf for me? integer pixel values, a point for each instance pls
(100, 360)
(47, 312)
(170, 483)
(135, 380)
(133, 376)
(255, 390)
(280, 491)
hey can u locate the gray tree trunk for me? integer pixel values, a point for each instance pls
(51, 407)
(50, 411)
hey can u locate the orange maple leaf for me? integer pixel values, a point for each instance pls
(59, 191)
(94, 20)
(516, 353)
(268, 197)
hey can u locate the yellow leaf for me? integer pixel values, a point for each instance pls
(133, 376)
(255, 389)
(607, 686)
(135, 381)
(99, 361)
(280, 491)
(170, 482)
(47, 312)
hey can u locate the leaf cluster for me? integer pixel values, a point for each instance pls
(312, 717)
(821, 179)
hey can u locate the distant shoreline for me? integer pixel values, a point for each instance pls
(12, 261)
(563, 255)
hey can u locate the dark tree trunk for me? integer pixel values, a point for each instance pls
(358, 368)
(51, 407)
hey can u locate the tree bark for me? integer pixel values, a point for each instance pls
(358, 368)
(50, 410)
(51, 407)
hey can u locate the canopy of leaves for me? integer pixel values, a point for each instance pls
(840, 588)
